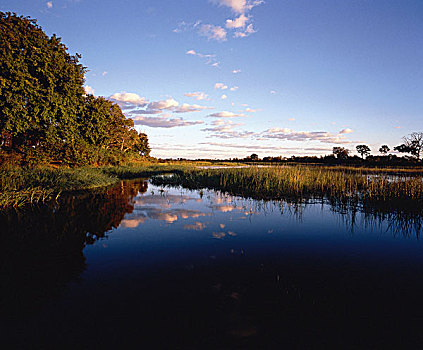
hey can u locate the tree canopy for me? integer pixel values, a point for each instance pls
(363, 150)
(44, 111)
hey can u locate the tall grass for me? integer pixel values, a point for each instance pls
(29, 185)
(300, 182)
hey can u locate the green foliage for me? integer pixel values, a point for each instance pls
(40, 85)
(45, 114)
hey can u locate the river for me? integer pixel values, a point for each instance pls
(173, 268)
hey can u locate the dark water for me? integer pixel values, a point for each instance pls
(136, 265)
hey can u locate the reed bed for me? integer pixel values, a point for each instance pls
(20, 186)
(302, 182)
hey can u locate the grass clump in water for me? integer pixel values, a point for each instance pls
(302, 182)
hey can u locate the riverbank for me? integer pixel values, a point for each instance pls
(20, 186)
(297, 183)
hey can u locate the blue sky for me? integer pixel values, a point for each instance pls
(226, 78)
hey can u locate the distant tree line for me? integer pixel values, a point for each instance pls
(45, 115)
(412, 146)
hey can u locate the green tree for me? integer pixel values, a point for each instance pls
(43, 107)
(142, 147)
(363, 150)
(384, 149)
(41, 86)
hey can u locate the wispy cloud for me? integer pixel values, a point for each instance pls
(234, 88)
(346, 131)
(291, 135)
(220, 86)
(185, 108)
(197, 95)
(210, 59)
(226, 114)
(223, 97)
(213, 32)
(236, 71)
(49, 4)
(184, 26)
(247, 32)
(164, 122)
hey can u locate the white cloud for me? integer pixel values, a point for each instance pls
(291, 119)
(247, 32)
(222, 126)
(238, 22)
(164, 122)
(238, 6)
(273, 92)
(144, 111)
(169, 103)
(197, 95)
(49, 4)
(104, 73)
(234, 88)
(129, 99)
(250, 110)
(213, 32)
(236, 71)
(157, 107)
(191, 52)
(291, 135)
(89, 90)
(220, 86)
(223, 97)
(346, 131)
(185, 108)
(226, 114)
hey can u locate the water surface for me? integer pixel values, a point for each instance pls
(174, 268)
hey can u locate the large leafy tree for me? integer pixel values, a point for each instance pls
(41, 86)
(43, 106)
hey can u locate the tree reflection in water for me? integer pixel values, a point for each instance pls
(42, 248)
(209, 269)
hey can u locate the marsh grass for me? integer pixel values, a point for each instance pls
(20, 186)
(302, 182)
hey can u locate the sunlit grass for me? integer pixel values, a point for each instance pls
(30, 185)
(345, 184)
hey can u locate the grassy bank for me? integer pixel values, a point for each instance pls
(25, 185)
(20, 186)
(350, 185)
